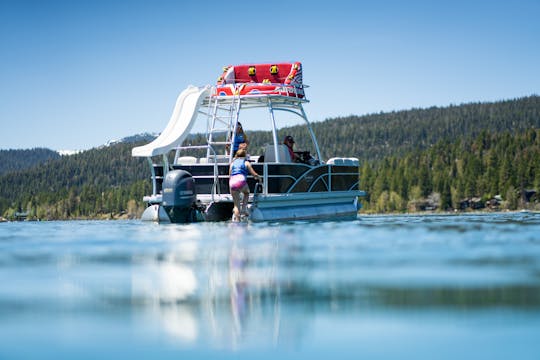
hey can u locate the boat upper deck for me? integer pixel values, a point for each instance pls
(282, 79)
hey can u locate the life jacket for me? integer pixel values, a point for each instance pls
(239, 167)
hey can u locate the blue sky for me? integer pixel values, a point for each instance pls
(74, 74)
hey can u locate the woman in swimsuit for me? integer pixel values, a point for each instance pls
(238, 172)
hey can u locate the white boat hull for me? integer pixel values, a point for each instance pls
(290, 207)
(286, 207)
(155, 213)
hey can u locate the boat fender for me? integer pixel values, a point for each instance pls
(274, 69)
(252, 71)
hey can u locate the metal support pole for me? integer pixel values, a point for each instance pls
(314, 140)
(274, 131)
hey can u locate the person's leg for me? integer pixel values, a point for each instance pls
(245, 199)
(236, 200)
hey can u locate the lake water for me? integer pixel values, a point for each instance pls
(380, 287)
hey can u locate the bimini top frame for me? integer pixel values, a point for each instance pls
(233, 106)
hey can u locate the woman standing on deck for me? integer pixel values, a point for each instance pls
(238, 172)
(240, 139)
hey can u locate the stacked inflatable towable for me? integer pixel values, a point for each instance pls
(283, 79)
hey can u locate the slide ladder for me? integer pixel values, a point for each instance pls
(223, 122)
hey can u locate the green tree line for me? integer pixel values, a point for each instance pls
(502, 169)
(18, 159)
(436, 158)
(96, 183)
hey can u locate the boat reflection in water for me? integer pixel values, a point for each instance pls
(253, 286)
(224, 297)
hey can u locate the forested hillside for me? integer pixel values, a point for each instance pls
(99, 181)
(13, 160)
(500, 171)
(456, 157)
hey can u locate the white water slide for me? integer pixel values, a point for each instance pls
(182, 119)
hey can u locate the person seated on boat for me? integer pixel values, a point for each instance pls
(240, 140)
(289, 141)
(238, 171)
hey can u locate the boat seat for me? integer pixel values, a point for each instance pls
(343, 161)
(186, 160)
(211, 159)
(277, 73)
(284, 156)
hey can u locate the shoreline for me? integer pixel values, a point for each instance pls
(112, 217)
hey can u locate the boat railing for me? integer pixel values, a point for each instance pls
(211, 154)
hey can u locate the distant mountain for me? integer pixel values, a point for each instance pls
(69, 152)
(21, 159)
(144, 137)
(16, 160)
(375, 136)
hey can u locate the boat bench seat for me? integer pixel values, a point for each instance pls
(278, 73)
(350, 161)
(186, 160)
(270, 155)
(220, 159)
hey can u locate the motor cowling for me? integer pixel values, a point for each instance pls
(179, 196)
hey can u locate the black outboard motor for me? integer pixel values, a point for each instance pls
(179, 196)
